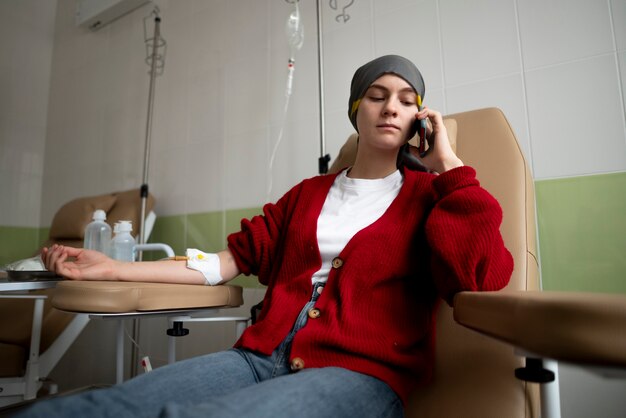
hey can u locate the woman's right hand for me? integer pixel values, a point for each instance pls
(439, 157)
(86, 264)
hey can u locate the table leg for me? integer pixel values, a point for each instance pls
(119, 373)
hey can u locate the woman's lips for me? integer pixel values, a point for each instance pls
(388, 125)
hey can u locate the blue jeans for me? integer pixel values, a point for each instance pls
(235, 383)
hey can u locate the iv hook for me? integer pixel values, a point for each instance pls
(343, 16)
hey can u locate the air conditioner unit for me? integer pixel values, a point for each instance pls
(94, 14)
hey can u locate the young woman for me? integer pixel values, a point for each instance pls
(354, 264)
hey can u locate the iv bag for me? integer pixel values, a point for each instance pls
(294, 31)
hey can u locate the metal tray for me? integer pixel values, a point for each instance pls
(32, 275)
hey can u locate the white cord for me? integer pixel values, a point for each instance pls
(295, 37)
(270, 169)
(139, 350)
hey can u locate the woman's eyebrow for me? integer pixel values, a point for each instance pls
(385, 89)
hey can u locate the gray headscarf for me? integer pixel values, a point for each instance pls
(368, 73)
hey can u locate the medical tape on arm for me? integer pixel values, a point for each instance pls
(206, 263)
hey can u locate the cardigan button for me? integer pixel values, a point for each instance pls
(297, 364)
(337, 262)
(314, 313)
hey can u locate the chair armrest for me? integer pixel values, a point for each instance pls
(123, 297)
(585, 328)
(156, 247)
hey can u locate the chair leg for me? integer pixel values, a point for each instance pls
(32, 366)
(550, 397)
(171, 350)
(176, 330)
(546, 373)
(119, 371)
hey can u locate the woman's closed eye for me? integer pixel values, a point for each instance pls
(408, 99)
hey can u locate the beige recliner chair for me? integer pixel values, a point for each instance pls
(476, 375)
(473, 374)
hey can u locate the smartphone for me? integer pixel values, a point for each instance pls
(405, 157)
(421, 128)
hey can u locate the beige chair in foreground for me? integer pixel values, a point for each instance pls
(22, 374)
(475, 374)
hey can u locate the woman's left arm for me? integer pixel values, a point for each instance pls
(463, 232)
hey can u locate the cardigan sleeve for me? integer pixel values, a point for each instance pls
(463, 232)
(254, 247)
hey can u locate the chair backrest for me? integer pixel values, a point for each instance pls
(67, 228)
(68, 224)
(474, 375)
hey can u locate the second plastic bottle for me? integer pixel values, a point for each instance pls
(123, 243)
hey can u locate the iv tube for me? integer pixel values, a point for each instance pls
(295, 37)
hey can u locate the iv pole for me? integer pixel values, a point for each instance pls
(156, 61)
(324, 158)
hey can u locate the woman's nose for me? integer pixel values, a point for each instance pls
(390, 108)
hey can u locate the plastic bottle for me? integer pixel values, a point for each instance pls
(123, 243)
(98, 233)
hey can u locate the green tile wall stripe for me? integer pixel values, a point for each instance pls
(17, 243)
(233, 218)
(582, 233)
(205, 231)
(232, 223)
(170, 230)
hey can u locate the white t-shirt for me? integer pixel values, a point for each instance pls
(351, 205)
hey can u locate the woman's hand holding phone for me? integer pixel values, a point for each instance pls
(439, 157)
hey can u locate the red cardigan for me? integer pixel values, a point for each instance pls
(438, 237)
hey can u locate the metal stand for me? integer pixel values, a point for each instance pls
(545, 372)
(177, 330)
(324, 157)
(156, 60)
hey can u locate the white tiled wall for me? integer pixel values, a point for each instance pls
(560, 31)
(26, 43)
(618, 20)
(577, 121)
(476, 44)
(558, 71)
